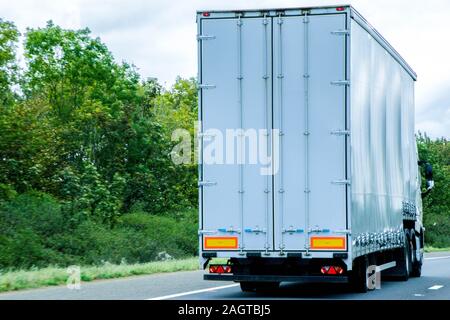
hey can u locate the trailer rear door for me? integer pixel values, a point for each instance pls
(236, 79)
(285, 73)
(309, 111)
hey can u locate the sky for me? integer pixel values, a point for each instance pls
(159, 37)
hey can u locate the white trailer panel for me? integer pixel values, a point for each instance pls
(340, 102)
(236, 66)
(309, 111)
(385, 181)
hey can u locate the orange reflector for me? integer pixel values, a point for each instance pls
(221, 243)
(327, 243)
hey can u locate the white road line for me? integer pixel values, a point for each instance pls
(194, 292)
(437, 258)
(418, 295)
(176, 295)
(436, 287)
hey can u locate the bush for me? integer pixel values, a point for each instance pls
(436, 205)
(36, 231)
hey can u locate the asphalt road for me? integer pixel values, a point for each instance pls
(434, 284)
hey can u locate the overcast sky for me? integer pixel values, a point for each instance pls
(159, 37)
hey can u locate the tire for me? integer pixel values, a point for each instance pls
(267, 286)
(416, 270)
(247, 286)
(404, 262)
(251, 286)
(358, 278)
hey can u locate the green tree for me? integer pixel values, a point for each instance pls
(28, 147)
(9, 36)
(436, 205)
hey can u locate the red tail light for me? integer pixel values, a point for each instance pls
(339, 270)
(217, 268)
(212, 269)
(333, 270)
(324, 270)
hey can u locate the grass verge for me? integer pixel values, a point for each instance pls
(52, 276)
(432, 249)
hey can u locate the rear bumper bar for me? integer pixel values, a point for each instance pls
(276, 278)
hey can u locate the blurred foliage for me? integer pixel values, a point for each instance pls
(85, 168)
(36, 230)
(436, 205)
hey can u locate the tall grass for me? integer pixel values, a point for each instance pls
(52, 276)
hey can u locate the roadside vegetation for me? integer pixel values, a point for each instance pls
(432, 249)
(436, 205)
(52, 276)
(86, 176)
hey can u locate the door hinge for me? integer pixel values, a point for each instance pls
(229, 230)
(340, 32)
(206, 86)
(206, 183)
(255, 230)
(347, 231)
(200, 232)
(205, 37)
(340, 83)
(318, 230)
(206, 135)
(292, 230)
(340, 132)
(340, 182)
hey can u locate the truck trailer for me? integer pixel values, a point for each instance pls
(330, 104)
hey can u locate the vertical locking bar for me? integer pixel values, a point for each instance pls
(306, 133)
(241, 136)
(280, 127)
(266, 123)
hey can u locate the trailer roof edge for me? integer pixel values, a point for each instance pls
(354, 14)
(373, 32)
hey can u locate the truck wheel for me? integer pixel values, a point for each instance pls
(248, 286)
(267, 286)
(416, 270)
(358, 278)
(405, 263)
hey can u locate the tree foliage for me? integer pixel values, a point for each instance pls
(436, 205)
(93, 139)
(9, 36)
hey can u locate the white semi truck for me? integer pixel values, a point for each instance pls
(331, 192)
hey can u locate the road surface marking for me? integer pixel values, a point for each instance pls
(193, 292)
(418, 295)
(436, 287)
(235, 285)
(437, 258)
